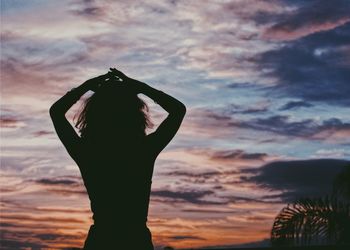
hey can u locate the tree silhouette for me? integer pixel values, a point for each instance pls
(324, 220)
(341, 184)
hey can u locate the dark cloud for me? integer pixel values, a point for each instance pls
(254, 110)
(195, 196)
(47, 181)
(277, 124)
(237, 154)
(193, 174)
(280, 124)
(35, 219)
(295, 104)
(61, 210)
(7, 224)
(10, 122)
(327, 39)
(199, 197)
(48, 236)
(63, 185)
(33, 232)
(211, 177)
(89, 12)
(18, 239)
(306, 17)
(238, 109)
(296, 179)
(185, 237)
(314, 68)
(228, 154)
(88, 9)
(68, 192)
(18, 244)
(211, 211)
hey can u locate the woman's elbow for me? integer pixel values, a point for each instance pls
(182, 109)
(178, 111)
(54, 111)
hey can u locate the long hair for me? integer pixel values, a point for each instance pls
(113, 111)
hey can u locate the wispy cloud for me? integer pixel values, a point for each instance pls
(295, 105)
(308, 17)
(10, 122)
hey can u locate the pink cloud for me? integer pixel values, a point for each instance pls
(285, 32)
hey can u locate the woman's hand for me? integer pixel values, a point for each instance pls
(95, 83)
(119, 74)
(135, 85)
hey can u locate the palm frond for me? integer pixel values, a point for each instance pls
(312, 221)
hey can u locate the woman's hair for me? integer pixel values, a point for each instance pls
(113, 110)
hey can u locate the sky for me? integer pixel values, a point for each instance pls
(265, 83)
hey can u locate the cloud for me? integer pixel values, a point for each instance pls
(185, 237)
(193, 174)
(18, 244)
(195, 197)
(228, 155)
(88, 9)
(280, 124)
(257, 108)
(295, 105)
(25, 225)
(310, 128)
(296, 179)
(56, 181)
(11, 122)
(213, 180)
(47, 219)
(333, 130)
(314, 68)
(35, 78)
(211, 168)
(219, 123)
(42, 133)
(307, 17)
(206, 123)
(198, 197)
(338, 153)
(237, 155)
(208, 211)
(63, 185)
(26, 239)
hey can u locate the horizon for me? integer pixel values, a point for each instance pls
(265, 83)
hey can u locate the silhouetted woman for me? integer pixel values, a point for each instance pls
(115, 155)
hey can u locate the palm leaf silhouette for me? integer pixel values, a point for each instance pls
(312, 221)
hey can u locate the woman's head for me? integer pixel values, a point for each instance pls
(113, 111)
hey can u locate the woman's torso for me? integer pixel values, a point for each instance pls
(118, 179)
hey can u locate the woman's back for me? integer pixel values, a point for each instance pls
(115, 156)
(118, 179)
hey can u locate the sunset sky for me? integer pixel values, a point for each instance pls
(266, 84)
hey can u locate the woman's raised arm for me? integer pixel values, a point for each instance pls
(64, 130)
(176, 109)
